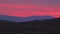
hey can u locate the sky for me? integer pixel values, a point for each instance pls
(25, 8)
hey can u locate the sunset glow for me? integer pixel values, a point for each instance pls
(24, 9)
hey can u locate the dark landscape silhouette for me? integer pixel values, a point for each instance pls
(47, 26)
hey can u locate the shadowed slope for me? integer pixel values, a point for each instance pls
(48, 26)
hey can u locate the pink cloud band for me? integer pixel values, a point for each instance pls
(52, 11)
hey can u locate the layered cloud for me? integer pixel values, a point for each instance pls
(25, 8)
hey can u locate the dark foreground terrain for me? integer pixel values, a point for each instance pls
(51, 26)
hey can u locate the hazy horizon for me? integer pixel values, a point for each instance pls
(23, 19)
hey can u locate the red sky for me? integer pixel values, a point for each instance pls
(25, 8)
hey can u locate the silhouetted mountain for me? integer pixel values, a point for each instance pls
(48, 26)
(20, 19)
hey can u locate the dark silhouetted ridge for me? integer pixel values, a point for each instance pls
(47, 26)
